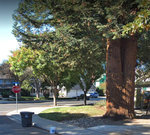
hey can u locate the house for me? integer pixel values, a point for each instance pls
(101, 80)
(6, 83)
(74, 91)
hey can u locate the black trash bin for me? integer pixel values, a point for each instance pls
(26, 118)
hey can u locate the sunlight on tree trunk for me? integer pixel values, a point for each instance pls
(121, 61)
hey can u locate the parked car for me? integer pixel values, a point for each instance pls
(94, 95)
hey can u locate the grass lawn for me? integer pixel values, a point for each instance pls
(27, 98)
(69, 113)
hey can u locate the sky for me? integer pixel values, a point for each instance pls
(8, 42)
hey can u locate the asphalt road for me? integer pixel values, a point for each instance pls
(7, 107)
(9, 127)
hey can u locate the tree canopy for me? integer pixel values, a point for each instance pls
(81, 22)
(78, 51)
(80, 30)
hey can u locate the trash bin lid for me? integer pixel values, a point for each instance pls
(26, 113)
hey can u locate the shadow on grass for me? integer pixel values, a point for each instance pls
(58, 116)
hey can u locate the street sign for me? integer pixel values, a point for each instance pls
(15, 83)
(16, 89)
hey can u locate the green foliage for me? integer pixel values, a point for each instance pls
(65, 40)
(101, 103)
(26, 85)
(118, 19)
(25, 92)
(5, 93)
(144, 48)
(26, 98)
(21, 59)
(100, 91)
(63, 52)
(143, 59)
(141, 20)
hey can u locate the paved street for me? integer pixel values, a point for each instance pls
(6, 107)
(9, 127)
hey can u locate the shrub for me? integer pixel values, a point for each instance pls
(25, 92)
(100, 92)
(5, 93)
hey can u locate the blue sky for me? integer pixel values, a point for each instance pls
(7, 40)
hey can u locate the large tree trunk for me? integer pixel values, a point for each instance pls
(121, 61)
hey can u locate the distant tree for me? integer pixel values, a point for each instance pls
(5, 70)
(44, 64)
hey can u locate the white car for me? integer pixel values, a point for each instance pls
(88, 94)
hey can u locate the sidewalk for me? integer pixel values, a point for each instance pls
(138, 127)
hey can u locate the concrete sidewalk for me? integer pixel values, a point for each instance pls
(138, 127)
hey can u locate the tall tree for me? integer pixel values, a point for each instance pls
(33, 26)
(119, 24)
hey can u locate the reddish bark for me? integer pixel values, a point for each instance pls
(121, 61)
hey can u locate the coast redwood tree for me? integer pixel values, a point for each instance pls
(119, 24)
(121, 62)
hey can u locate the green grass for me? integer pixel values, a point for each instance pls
(27, 98)
(69, 113)
(30, 98)
(100, 103)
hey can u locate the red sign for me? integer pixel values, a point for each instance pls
(16, 89)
